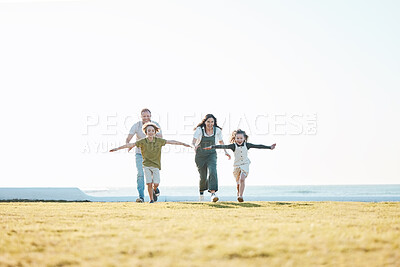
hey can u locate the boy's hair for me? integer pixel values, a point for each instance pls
(156, 128)
(238, 131)
(145, 110)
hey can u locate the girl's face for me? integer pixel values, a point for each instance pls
(151, 132)
(239, 139)
(210, 123)
(146, 117)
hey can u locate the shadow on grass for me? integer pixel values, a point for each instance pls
(224, 205)
(290, 204)
(42, 200)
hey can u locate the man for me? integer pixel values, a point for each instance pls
(136, 129)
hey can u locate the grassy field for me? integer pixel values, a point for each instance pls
(200, 234)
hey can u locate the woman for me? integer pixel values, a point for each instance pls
(207, 132)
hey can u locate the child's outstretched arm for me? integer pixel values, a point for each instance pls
(230, 146)
(173, 142)
(129, 145)
(249, 145)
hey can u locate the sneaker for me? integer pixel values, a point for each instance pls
(214, 198)
(201, 198)
(157, 191)
(240, 199)
(140, 200)
(151, 201)
(155, 197)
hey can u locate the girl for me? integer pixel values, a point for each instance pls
(151, 151)
(240, 148)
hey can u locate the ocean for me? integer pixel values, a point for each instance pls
(363, 193)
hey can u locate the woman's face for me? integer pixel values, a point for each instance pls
(239, 139)
(210, 123)
(151, 132)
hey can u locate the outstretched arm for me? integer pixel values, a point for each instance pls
(249, 145)
(129, 145)
(173, 142)
(230, 146)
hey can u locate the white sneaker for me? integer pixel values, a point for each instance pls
(201, 198)
(214, 198)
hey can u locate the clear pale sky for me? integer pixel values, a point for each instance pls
(319, 78)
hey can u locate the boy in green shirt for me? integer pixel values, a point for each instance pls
(151, 151)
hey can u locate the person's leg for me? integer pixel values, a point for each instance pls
(148, 174)
(203, 182)
(156, 182)
(140, 175)
(242, 180)
(150, 190)
(236, 175)
(213, 177)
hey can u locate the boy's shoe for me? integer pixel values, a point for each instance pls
(214, 197)
(151, 201)
(240, 199)
(155, 196)
(157, 191)
(139, 200)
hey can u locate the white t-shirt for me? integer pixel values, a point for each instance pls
(198, 134)
(136, 129)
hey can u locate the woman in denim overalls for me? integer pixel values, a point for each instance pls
(207, 133)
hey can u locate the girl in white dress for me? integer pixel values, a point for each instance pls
(240, 147)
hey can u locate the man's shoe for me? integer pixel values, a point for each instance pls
(139, 200)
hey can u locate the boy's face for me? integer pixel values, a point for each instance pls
(146, 117)
(239, 139)
(150, 131)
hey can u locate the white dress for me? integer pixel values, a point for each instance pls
(242, 162)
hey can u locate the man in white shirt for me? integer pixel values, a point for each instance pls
(136, 129)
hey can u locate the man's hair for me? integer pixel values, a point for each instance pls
(145, 110)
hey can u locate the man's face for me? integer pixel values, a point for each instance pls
(146, 116)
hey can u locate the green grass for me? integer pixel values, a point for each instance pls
(199, 234)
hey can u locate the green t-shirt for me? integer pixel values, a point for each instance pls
(151, 151)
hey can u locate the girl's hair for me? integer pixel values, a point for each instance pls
(238, 131)
(203, 122)
(156, 128)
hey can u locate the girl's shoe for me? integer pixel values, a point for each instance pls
(240, 199)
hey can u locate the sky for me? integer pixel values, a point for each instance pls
(318, 78)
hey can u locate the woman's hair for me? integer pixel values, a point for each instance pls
(156, 128)
(238, 131)
(203, 122)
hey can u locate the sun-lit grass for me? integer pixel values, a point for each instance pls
(195, 234)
